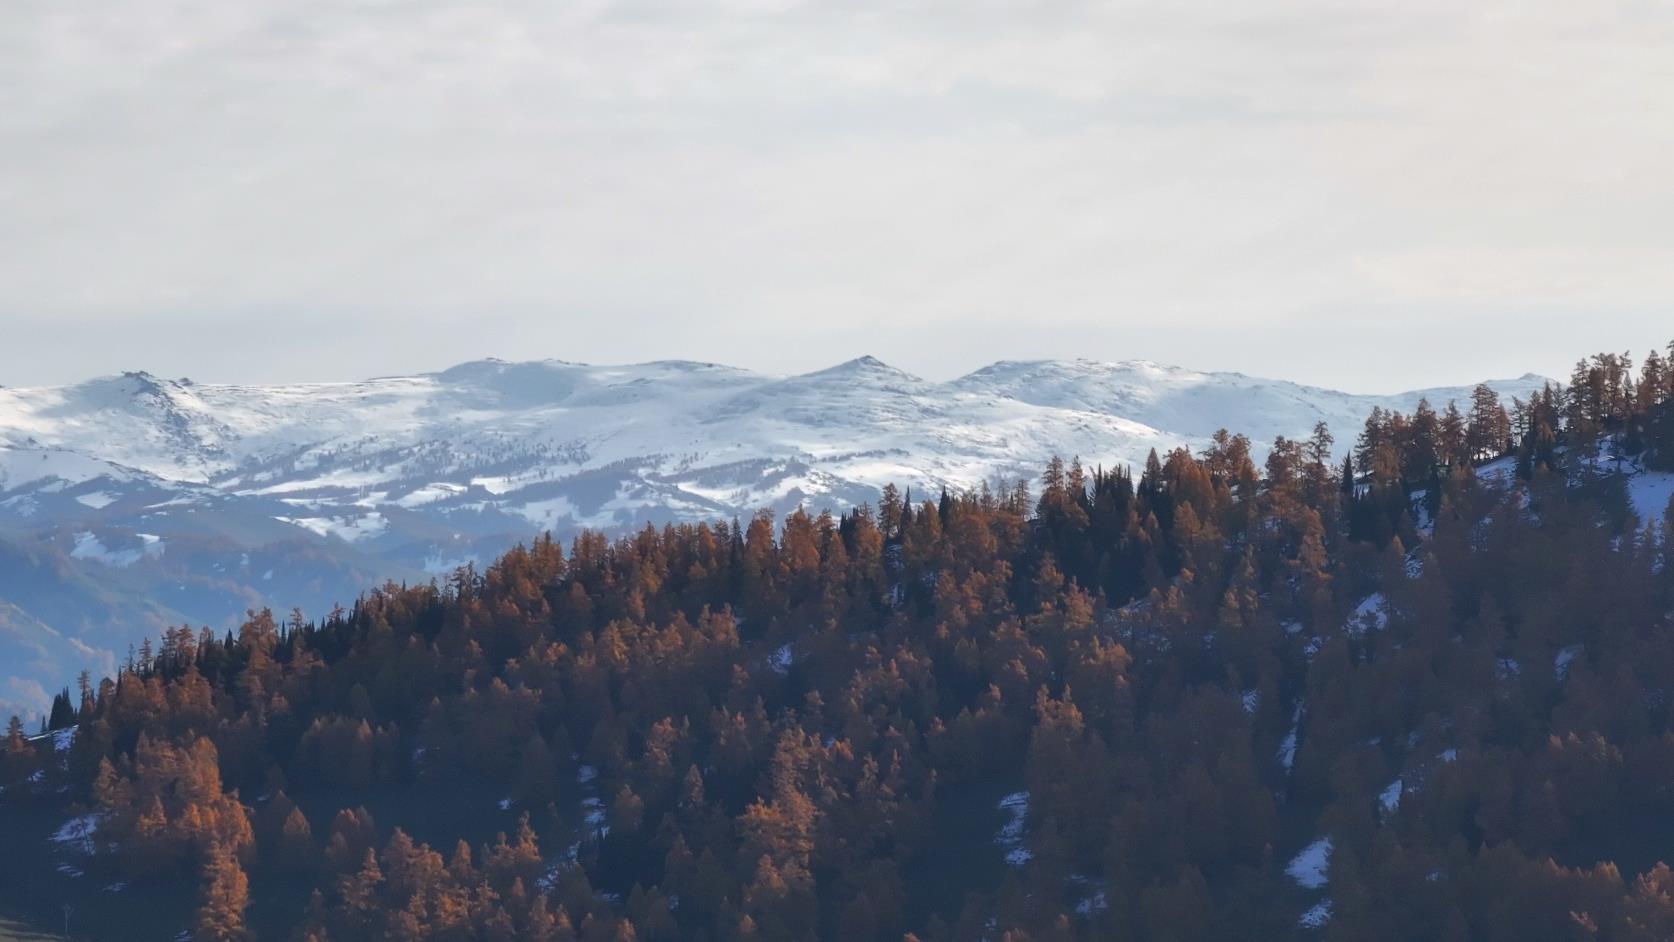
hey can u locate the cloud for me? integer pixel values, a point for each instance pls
(24, 697)
(189, 182)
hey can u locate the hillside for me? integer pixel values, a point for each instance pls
(1425, 693)
(200, 501)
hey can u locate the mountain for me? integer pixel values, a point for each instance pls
(144, 501)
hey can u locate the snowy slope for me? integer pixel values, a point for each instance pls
(206, 499)
(693, 438)
(486, 449)
(1194, 405)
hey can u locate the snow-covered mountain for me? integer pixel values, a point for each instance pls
(141, 501)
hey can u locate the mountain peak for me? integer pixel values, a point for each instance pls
(866, 366)
(489, 367)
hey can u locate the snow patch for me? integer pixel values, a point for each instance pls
(350, 528)
(88, 547)
(1010, 835)
(1390, 798)
(1372, 614)
(594, 809)
(76, 834)
(1310, 868)
(1563, 660)
(1287, 748)
(1415, 565)
(1649, 493)
(780, 660)
(1317, 916)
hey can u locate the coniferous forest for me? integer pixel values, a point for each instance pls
(1416, 688)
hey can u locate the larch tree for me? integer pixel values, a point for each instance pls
(224, 897)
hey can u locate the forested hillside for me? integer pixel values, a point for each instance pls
(1424, 693)
(189, 502)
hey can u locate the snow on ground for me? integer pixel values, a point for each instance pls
(438, 565)
(62, 739)
(429, 494)
(23, 466)
(1310, 867)
(76, 834)
(1287, 748)
(1317, 916)
(1010, 836)
(1251, 701)
(1563, 659)
(1415, 564)
(1499, 472)
(1372, 614)
(595, 811)
(586, 774)
(89, 546)
(1649, 493)
(780, 660)
(1448, 755)
(1390, 798)
(351, 528)
(1422, 522)
(98, 500)
(1508, 668)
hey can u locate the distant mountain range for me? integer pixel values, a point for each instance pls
(128, 503)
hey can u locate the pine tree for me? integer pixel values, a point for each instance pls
(63, 713)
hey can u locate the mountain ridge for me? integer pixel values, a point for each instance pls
(212, 497)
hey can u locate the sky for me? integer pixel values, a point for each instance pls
(1370, 196)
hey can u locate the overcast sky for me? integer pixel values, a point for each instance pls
(1372, 196)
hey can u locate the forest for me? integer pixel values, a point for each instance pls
(1421, 688)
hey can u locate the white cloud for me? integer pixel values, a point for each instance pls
(787, 183)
